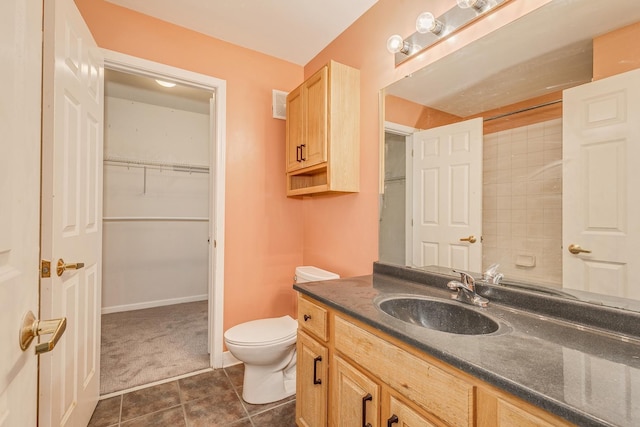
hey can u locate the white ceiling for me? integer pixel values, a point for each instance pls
(145, 89)
(293, 30)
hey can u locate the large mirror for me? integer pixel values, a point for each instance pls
(514, 80)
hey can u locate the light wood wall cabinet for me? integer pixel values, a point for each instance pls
(375, 380)
(323, 132)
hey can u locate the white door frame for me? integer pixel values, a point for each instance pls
(217, 158)
(407, 132)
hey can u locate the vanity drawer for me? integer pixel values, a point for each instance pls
(312, 318)
(438, 392)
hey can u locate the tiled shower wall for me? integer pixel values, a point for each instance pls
(522, 202)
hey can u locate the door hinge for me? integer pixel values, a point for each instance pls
(45, 269)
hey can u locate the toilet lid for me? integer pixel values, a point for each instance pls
(262, 331)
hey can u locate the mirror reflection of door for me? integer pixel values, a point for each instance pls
(601, 146)
(447, 196)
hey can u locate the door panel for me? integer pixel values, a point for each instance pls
(353, 392)
(71, 213)
(316, 102)
(20, 85)
(447, 196)
(600, 147)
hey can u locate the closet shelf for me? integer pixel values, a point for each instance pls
(179, 167)
(154, 218)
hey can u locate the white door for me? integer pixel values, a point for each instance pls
(601, 148)
(447, 196)
(20, 77)
(73, 80)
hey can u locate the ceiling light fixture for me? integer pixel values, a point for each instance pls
(165, 84)
(427, 22)
(396, 44)
(476, 4)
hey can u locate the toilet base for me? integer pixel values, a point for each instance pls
(262, 385)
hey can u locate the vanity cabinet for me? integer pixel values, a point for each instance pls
(323, 132)
(376, 380)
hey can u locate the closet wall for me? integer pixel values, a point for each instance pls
(156, 205)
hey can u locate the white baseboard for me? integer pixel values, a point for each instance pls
(151, 304)
(229, 360)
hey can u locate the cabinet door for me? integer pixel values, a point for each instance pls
(315, 99)
(311, 382)
(295, 129)
(401, 415)
(355, 397)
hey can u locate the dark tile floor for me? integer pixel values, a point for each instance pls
(209, 399)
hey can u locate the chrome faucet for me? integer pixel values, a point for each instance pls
(466, 290)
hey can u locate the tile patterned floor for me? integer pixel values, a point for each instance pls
(210, 399)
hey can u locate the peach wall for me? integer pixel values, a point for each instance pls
(341, 232)
(267, 234)
(263, 227)
(616, 52)
(403, 112)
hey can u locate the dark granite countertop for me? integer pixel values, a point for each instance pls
(577, 370)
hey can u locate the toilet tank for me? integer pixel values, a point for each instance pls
(308, 273)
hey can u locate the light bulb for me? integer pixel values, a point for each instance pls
(476, 4)
(396, 44)
(427, 22)
(165, 84)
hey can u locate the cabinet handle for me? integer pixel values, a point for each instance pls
(298, 153)
(392, 420)
(365, 399)
(306, 317)
(316, 380)
(301, 152)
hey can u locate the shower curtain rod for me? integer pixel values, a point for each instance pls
(522, 110)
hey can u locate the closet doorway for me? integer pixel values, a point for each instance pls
(163, 170)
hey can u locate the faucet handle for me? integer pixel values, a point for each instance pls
(492, 276)
(465, 277)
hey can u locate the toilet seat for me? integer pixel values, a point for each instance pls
(262, 332)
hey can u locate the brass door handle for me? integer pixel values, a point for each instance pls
(470, 239)
(576, 249)
(32, 327)
(62, 267)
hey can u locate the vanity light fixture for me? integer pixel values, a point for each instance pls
(165, 84)
(431, 29)
(396, 44)
(426, 22)
(476, 4)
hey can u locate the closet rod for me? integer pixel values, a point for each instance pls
(154, 218)
(522, 110)
(179, 167)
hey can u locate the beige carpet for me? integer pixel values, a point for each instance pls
(143, 346)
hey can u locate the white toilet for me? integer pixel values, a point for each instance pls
(268, 349)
